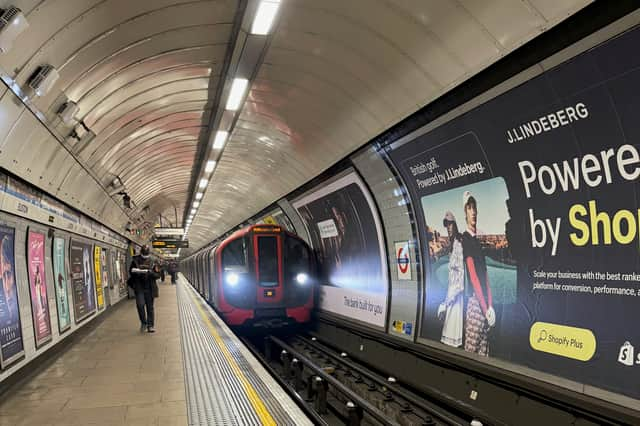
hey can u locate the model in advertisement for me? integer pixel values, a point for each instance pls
(11, 314)
(480, 315)
(452, 308)
(40, 294)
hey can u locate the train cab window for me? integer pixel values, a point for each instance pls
(268, 261)
(234, 254)
(297, 261)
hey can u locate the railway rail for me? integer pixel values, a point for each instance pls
(335, 389)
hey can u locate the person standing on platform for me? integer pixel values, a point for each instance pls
(173, 271)
(144, 275)
(480, 316)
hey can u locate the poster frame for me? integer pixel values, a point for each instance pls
(97, 276)
(38, 342)
(5, 363)
(497, 365)
(342, 180)
(65, 265)
(78, 319)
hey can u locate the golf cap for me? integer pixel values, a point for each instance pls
(448, 218)
(467, 197)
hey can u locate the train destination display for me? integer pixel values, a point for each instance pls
(528, 215)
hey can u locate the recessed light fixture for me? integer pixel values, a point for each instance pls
(196, 203)
(265, 15)
(199, 195)
(211, 164)
(220, 139)
(238, 89)
(193, 211)
(203, 183)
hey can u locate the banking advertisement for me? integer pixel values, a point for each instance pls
(61, 283)
(346, 234)
(38, 287)
(11, 346)
(528, 213)
(97, 268)
(83, 290)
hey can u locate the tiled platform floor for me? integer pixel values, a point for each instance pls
(114, 376)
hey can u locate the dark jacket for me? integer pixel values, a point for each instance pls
(143, 281)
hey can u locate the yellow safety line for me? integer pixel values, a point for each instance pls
(256, 402)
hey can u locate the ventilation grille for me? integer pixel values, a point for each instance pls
(8, 15)
(39, 76)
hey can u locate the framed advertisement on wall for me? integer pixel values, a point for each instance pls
(38, 287)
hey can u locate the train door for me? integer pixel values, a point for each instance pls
(268, 269)
(207, 274)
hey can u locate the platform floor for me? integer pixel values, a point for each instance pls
(113, 376)
(192, 371)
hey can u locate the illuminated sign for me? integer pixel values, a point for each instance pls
(168, 231)
(170, 244)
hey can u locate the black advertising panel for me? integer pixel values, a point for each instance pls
(528, 213)
(11, 346)
(84, 298)
(347, 235)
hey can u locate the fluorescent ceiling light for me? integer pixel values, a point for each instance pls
(199, 195)
(221, 139)
(193, 211)
(264, 17)
(238, 88)
(203, 183)
(196, 203)
(211, 164)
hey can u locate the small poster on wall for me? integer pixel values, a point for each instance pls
(81, 279)
(60, 283)
(11, 346)
(98, 271)
(38, 287)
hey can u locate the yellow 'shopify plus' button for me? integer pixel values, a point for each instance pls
(562, 340)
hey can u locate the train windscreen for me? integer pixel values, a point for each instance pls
(268, 261)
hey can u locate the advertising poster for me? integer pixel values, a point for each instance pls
(60, 282)
(122, 284)
(38, 287)
(97, 254)
(106, 276)
(84, 303)
(11, 346)
(346, 233)
(528, 212)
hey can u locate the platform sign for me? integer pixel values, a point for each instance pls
(403, 260)
(84, 301)
(11, 345)
(169, 244)
(38, 287)
(527, 209)
(61, 283)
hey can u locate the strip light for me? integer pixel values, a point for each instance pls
(211, 164)
(193, 211)
(199, 195)
(220, 139)
(238, 89)
(196, 203)
(203, 183)
(264, 17)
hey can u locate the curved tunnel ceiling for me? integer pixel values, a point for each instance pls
(335, 73)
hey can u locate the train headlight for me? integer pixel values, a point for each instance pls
(232, 279)
(302, 278)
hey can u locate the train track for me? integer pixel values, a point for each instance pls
(334, 389)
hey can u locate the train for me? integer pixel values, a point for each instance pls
(259, 276)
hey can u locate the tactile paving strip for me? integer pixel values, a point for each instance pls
(215, 393)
